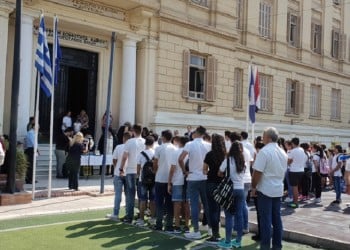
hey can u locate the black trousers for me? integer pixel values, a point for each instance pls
(30, 157)
(316, 184)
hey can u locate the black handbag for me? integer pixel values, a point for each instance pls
(223, 193)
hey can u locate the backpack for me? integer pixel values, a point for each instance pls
(324, 166)
(308, 165)
(147, 175)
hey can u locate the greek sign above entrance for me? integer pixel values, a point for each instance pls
(95, 8)
(74, 37)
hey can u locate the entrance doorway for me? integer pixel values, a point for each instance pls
(75, 90)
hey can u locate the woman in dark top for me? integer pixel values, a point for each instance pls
(212, 163)
(73, 160)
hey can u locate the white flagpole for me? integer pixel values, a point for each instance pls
(54, 55)
(36, 129)
(247, 117)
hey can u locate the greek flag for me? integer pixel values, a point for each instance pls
(42, 59)
(57, 54)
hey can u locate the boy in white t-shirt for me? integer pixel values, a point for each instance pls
(119, 177)
(176, 187)
(146, 193)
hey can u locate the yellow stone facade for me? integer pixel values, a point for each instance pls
(164, 29)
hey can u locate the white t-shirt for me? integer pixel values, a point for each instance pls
(347, 165)
(299, 159)
(272, 162)
(316, 158)
(334, 165)
(250, 147)
(178, 176)
(141, 159)
(237, 178)
(247, 158)
(118, 155)
(66, 122)
(227, 145)
(197, 149)
(2, 155)
(164, 153)
(133, 147)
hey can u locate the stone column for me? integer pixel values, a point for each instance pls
(128, 83)
(145, 86)
(24, 107)
(4, 25)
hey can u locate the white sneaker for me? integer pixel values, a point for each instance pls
(140, 223)
(193, 235)
(317, 200)
(210, 231)
(152, 221)
(245, 231)
(113, 217)
(288, 199)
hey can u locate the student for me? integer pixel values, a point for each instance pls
(146, 192)
(176, 187)
(336, 173)
(119, 177)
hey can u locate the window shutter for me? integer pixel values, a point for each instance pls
(300, 98)
(313, 34)
(319, 38)
(210, 90)
(333, 54)
(288, 27)
(186, 73)
(297, 33)
(342, 46)
(288, 96)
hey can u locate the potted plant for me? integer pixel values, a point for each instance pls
(21, 169)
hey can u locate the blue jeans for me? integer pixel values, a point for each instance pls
(238, 195)
(337, 188)
(119, 183)
(163, 201)
(196, 189)
(130, 195)
(270, 214)
(214, 209)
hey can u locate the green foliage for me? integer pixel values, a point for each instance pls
(21, 164)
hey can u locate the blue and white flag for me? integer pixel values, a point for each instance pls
(42, 59)
(57, 54)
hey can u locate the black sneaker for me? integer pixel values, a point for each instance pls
(177, 230)
(256, 237)
(186, 229)
(155, 227)
(212, 240)
(126, 220)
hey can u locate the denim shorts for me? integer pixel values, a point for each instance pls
(146, 193)
(177, 193)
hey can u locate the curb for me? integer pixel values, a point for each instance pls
(64, 192)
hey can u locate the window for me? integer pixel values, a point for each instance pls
(240, 14)
(293, 27)
(238, 88)
(294, 97)
(199, 76)
(338, 44)
(335, 44)
(335, 104)
(265, 20)
(265, 92)
(316, 37)
(315, 101)
(200, 2)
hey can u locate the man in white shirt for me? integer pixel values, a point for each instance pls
(196, 179)
(297, 162)
(162, 163)
(132, 149)
(119, 177)
(267, 183)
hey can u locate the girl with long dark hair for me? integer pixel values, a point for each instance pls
(237, 169)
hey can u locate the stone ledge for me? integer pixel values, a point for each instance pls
(15, 199)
